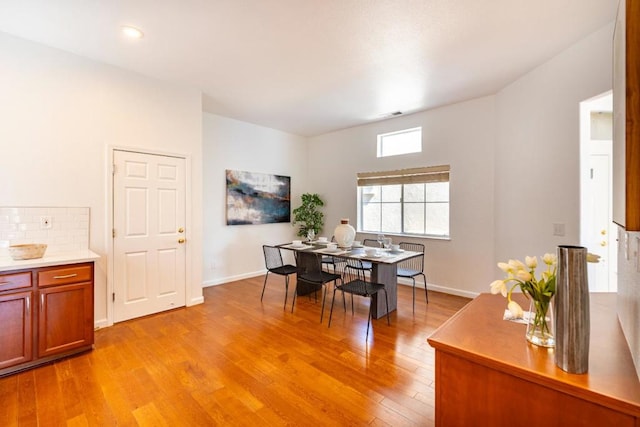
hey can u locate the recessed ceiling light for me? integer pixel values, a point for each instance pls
(132, 32)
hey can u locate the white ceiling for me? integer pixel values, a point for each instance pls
(313, 66)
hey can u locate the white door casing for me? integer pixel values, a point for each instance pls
(149, 210)
(597, 230)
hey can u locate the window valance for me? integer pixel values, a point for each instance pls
(405, 176)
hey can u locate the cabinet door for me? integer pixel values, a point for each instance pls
(626, 116)
(15, 328)
(65, 318)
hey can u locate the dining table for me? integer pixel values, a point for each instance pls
(384, 268)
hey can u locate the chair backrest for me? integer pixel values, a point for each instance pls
(272, 257)
(371, 242)
(416, 263)
(353, 270)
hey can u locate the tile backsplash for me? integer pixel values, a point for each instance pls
(63, 229)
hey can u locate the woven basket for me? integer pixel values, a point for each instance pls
(28, 251)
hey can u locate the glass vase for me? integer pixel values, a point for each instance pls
(540, 329)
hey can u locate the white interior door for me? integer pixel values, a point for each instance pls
(149, 237)
(598, 235)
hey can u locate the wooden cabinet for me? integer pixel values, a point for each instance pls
(16, 319)
(65, 316)
(487, 374)
(45, 313)
(626, 116)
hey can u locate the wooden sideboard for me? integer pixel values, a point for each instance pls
(45, 314)
(487, 374)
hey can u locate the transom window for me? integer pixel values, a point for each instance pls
(409, 201)
(400, 142)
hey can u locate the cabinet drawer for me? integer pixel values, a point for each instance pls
(15, 281)
(64, 275)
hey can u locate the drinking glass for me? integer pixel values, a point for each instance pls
(386, 242)
(380, 239)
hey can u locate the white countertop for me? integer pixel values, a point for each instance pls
(76, 257)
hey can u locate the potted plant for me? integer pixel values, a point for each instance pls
(309, 215)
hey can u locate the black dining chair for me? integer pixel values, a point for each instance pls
(311, 273)
(330, 261)
(366, 265)
(413, 267)
(273, 262)
(354, 282)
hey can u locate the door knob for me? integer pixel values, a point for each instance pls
(181, 230)
(181, 240)
(603, 232)
(603, 243)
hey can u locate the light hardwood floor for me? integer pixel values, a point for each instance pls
(236, 361)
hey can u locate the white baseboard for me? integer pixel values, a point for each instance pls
(196, 301)
(223, 280)
(401, 281)
(443, 289)
(99, 324)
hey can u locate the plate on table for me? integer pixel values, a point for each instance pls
(318, 242)
(399, 251)
(333, 251)
(375, 256)
(296, 246)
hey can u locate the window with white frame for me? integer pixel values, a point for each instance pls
(407, 202)
(401, 142)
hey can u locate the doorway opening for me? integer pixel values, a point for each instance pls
(597, 231)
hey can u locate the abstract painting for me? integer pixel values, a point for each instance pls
(257, 198)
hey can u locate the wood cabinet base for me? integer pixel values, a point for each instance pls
(487, 374)
(45, 314)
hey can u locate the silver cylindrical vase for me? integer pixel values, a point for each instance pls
(572, 310)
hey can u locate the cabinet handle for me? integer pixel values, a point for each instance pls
(41, 302)
(28, 306)
(5, 283)
(66, 276)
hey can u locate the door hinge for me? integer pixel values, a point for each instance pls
(113, 297)
(113, 233)
(591, 173)
(113, 169)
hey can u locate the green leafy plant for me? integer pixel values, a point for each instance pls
(308, 214)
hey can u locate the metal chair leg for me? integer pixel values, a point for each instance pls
(264, 285)
(414, 293)
(426, 294)
(295, 293)
(369, 317)
(324, 297)
(386, 299)
(332, 301)
(286, 291)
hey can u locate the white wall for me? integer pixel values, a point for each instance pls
(514, 165)
(235, 252)
(537, 176)
(461, 135)
(59, 113)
